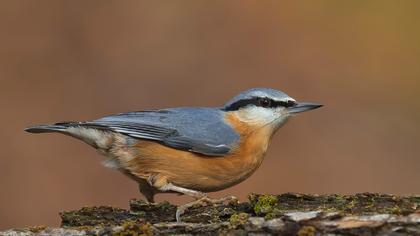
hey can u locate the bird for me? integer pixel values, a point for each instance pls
(188, 150)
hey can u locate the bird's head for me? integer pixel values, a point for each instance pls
(263, 106)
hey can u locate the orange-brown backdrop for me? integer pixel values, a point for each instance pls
(77, 60)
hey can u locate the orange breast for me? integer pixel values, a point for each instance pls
(196, 171)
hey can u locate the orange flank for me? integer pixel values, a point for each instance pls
(160, 164)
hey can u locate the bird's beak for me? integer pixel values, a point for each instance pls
(303, 106)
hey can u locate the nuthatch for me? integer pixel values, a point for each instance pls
(189, 151)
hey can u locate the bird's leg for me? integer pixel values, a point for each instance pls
(199, 196)
(147, 191)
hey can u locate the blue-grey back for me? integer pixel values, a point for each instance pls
(201, 130)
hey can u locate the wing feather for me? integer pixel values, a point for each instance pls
(200, 130)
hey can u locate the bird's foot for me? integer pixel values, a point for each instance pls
(204, 199)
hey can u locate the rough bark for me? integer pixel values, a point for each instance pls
(286, 214)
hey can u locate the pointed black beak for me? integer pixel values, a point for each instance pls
(303, 106)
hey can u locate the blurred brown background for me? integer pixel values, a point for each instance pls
(77, 60)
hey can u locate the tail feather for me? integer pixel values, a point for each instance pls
(97, 136)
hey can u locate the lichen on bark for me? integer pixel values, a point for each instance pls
(287, 214)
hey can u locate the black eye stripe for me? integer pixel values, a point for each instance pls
(289, 103)
(257, 101)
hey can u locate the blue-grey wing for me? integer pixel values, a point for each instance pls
(200, 130)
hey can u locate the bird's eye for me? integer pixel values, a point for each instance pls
(264, 102)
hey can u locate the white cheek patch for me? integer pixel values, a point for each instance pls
(95, 137)
(260, 115)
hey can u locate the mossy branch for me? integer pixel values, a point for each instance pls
(289, 214)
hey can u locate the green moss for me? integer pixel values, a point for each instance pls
(307, 231)
(363, 203)
(269, 206)
(238, 219)
(350, 205)
(395, 210)
(133, 228)
(37, 229)
(85, 227)
(272, 215)
(91, 216)
(164, 206)
(265, 204)
(340, 199)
